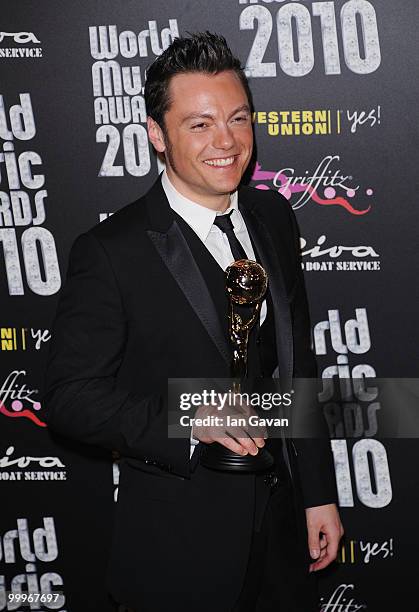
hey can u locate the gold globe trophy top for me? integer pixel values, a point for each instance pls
(246, 282)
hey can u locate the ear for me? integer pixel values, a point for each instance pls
(155, 134)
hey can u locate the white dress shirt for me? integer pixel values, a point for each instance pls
(201, 220)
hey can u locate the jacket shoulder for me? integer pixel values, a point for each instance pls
(122, 223)
(267, 203)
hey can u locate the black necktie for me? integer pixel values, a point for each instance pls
(226, 225)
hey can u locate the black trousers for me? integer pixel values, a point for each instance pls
(277, 579)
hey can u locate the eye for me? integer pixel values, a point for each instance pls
(199, 126)
(240, 119)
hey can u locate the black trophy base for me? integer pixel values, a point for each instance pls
(217, 457)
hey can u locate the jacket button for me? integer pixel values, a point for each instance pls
(271, 480)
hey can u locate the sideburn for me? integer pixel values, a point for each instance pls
(169, 148)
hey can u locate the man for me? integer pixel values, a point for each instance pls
(145, 301)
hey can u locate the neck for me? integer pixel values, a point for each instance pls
(217, 202)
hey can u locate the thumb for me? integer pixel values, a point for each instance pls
(313, 542)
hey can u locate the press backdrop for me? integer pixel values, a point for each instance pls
(336, 95)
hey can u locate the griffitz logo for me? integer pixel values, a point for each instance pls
(341, 600)
(16, 400)
(20, 38)
(325, 186)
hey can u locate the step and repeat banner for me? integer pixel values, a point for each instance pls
(336, 96)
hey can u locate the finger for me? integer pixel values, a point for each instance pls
(329, 554)
(260, 442)
(313, 542)
(321, 563)
(333, 544)
(257, 440)
(248, 444)
(232, 445)
(256, 431)
(257, 435)
(317, 565)
(240, 435)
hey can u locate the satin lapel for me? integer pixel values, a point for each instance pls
(270, 261)
(176, 254)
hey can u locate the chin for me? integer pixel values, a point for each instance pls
(228, 184)
(224, 189)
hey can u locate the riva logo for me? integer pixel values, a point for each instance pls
(27, 461)
(22, 38)
(11, 45)
(27, 467)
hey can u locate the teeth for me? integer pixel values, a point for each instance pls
(227, 161)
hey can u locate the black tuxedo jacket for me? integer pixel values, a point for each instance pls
(135, 311)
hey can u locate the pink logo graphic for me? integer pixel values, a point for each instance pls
(18, 396)
(308, 186)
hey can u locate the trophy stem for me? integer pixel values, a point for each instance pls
(246, 285)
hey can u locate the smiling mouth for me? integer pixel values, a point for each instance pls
(221, 162)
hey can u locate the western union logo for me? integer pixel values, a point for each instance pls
(13, 338)
(299, 122)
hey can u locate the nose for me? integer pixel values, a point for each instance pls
(223, 138)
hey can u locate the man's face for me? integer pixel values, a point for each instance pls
(208, 136)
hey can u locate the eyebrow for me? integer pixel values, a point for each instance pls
(192, 116)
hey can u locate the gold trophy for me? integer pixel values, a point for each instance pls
(246, 284)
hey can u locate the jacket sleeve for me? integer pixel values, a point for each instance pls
(81, 397)
(314, 454)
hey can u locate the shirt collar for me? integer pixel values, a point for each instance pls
(198, 217)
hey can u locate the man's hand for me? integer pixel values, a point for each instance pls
(241, 440)
(324, 533)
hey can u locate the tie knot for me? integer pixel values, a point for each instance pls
(224, 222)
